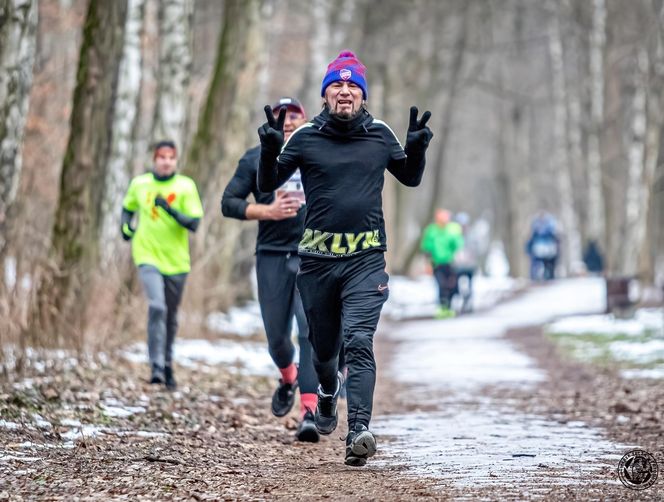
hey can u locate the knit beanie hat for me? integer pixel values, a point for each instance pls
(346, 67)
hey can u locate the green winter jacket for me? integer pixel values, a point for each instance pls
(442, 243)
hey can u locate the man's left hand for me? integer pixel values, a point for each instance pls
(159, 201)
(419, 134)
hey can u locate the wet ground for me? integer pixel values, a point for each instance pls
(482, 407)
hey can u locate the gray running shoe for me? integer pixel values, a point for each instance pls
(326, 417)
(360, 445)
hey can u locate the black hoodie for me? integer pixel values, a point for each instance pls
(343, 164)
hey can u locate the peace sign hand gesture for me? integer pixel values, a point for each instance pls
(419, 135)
(271, 133)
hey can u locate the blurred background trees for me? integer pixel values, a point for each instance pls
(553, 105)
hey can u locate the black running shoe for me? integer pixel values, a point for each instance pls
(171, 384)
(158, 376)
(326, 412)
(360, 445)
(306, 429)
(283, 398)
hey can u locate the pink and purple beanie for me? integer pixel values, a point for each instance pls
(346, 67)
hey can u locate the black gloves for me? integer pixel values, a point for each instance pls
(186, 221)
(159, 201)
(126, 228)
(271, 133)
(419, 135)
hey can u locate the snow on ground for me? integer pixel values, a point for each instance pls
(636, 342)
(472, 438)
(245, 357)
(243, 321)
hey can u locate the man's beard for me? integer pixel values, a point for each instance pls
(345, 115)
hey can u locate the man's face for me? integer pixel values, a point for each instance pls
(165, 161)
(294, 119)
(343, 98)
(442, 217)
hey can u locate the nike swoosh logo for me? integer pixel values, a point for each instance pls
(382, 287)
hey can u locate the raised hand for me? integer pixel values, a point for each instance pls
(419, 134)
(271, 133)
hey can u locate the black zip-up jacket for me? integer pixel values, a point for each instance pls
(343, 164)
(281, 235)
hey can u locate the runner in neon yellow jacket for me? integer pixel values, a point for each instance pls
(168, 208)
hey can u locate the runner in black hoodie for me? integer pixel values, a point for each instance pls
(342, 156)
(281, 220)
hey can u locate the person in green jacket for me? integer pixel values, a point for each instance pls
(441, 241)
(168, 207)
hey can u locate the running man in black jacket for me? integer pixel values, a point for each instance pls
(342, 156)
(280, 225)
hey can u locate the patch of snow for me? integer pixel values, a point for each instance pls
(644, 352)
(12, 426)
(247, 357)
(243, 321)
(657, 373)
(7, 457)
(68, 422)
(41, 422)
(121, 411)
(644, 320)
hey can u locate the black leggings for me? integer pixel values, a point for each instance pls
(280, 301)
(342, 300)
(446, 280)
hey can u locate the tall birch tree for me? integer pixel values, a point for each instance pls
(123, 131)
(595, 209)
(561, 160)
(174, 70)
(18, 27)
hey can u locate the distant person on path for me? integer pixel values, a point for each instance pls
(343, 154)
(168, 208)
(543, 247)
(441, 241)
(280, 218)
(592, 258)
(465, 263)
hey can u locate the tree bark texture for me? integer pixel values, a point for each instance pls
(595, 209)
(561, 159)
(123, 130)
(173, 74)
(18, 27)
(75, 240)
(217, 146)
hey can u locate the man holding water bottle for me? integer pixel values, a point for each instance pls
(280, 216)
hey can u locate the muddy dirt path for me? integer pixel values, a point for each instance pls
(477, 408)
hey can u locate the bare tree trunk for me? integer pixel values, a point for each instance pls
(75, 241)
(18, 27)
(175, 43)
(219, 143)
(319, 45)
(595, 209)
(123, 132)
(643, 155)
(572, 252)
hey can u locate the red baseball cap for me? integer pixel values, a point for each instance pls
(288, 102)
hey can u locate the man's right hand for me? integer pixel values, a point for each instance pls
(284, 206)
(271, 133)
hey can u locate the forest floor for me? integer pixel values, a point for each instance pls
(99, 431)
